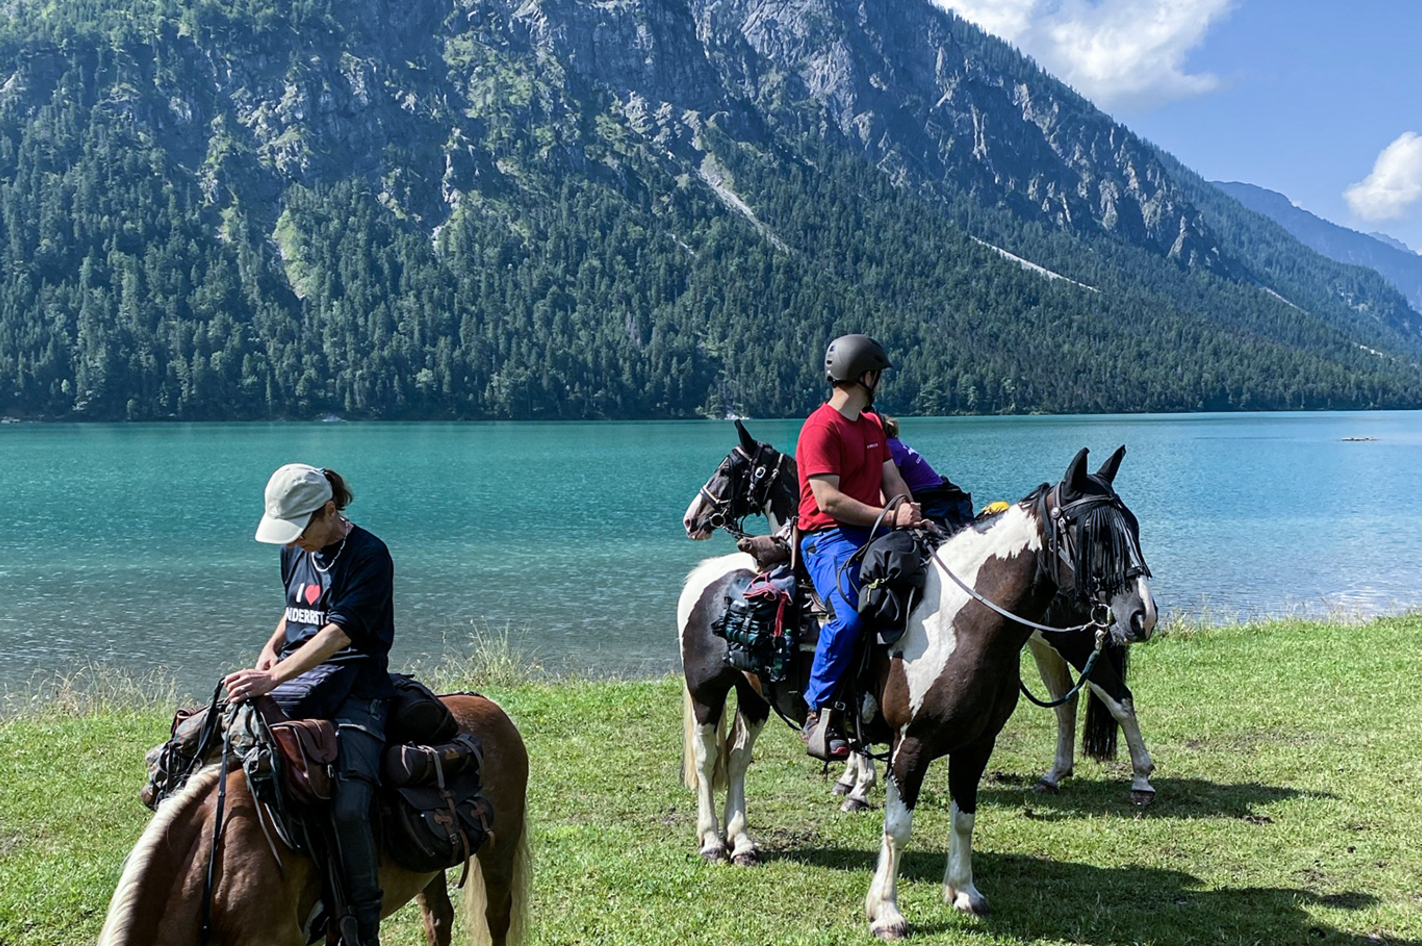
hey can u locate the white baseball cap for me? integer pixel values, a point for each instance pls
(293, 493)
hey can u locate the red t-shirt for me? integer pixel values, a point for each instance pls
(855, 451)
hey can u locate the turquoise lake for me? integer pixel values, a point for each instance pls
(132, 544)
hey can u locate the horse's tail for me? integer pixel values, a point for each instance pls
(476, 897)
(690, 775)
(1098, 735)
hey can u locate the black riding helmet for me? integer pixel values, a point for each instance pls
(849, 356)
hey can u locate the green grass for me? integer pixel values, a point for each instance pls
(1288, 812)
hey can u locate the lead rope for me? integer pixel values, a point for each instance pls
(1080, 681)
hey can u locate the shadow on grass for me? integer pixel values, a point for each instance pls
(1175, 798)
(1037, 898)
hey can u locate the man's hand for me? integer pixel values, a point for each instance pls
(907, 516)
(244, 685)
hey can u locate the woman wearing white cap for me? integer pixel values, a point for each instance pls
(328, 656)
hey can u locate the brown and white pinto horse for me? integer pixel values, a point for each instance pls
(951, 681)
(258, 901)
(756, 479)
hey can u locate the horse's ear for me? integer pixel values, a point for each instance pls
(747, 441)
(1075, 480)
(1107, 473)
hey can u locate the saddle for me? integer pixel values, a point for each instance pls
(434, 816)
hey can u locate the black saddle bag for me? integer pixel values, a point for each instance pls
(891, 581)
(417, 715)
(435, 817)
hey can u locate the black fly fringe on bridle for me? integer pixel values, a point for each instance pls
(1108, 554)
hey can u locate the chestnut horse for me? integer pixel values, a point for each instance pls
(260, 901)
(950, 683)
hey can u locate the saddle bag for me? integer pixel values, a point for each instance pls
(304, 752)
(891, 579)
(307, 748)
(759, 624)
(435, 817)
(417, 715)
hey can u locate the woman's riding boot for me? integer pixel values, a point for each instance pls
(367, 916)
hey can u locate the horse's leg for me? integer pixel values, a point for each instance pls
(1057, 679)
(751, 714)
(861, 769)
(706, 737)
(850, 778)
(1142, 792)
(965, 771)
(901, 786)
(436, 910)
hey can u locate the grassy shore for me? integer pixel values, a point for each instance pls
(1288, 812)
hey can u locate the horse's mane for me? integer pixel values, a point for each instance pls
(126, 895)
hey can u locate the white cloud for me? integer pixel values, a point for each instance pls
(1395, 185)
(1128, 54)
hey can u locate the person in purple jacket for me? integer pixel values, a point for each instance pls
(941, 499)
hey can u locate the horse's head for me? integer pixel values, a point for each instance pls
(755, 479)
(1098, 548)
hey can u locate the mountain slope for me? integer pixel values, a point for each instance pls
(1397, 264)
(549, 208)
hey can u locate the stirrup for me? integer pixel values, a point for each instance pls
(821, 744)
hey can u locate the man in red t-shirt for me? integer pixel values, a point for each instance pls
(846, 476)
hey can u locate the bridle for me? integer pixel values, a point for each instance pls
(1064, 547)
(727, 512)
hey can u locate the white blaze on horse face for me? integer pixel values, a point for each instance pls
(693, 513)
(930, 640)
(1148, 622)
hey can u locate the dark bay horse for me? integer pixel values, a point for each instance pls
(258, 901)
(951, 682)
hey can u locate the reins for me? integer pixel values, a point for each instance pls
(205, 932)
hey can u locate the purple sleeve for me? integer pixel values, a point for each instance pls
(917, 474)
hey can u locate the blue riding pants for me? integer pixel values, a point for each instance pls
(825, 552)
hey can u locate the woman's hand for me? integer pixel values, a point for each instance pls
(268, 659)
(244, 685)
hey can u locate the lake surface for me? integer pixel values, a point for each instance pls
(132, 544)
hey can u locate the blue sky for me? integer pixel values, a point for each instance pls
(1319, 101)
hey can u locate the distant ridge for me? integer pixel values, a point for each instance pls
(1390, 257)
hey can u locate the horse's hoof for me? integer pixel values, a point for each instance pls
(1141, 797)
(967, 901)
(714, 855)
(748, 858)
(842, 788)
(853, 804)
(1045, 787)
(891, 932)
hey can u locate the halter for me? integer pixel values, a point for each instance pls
(763, 478)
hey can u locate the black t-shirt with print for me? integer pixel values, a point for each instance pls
(347, 583)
